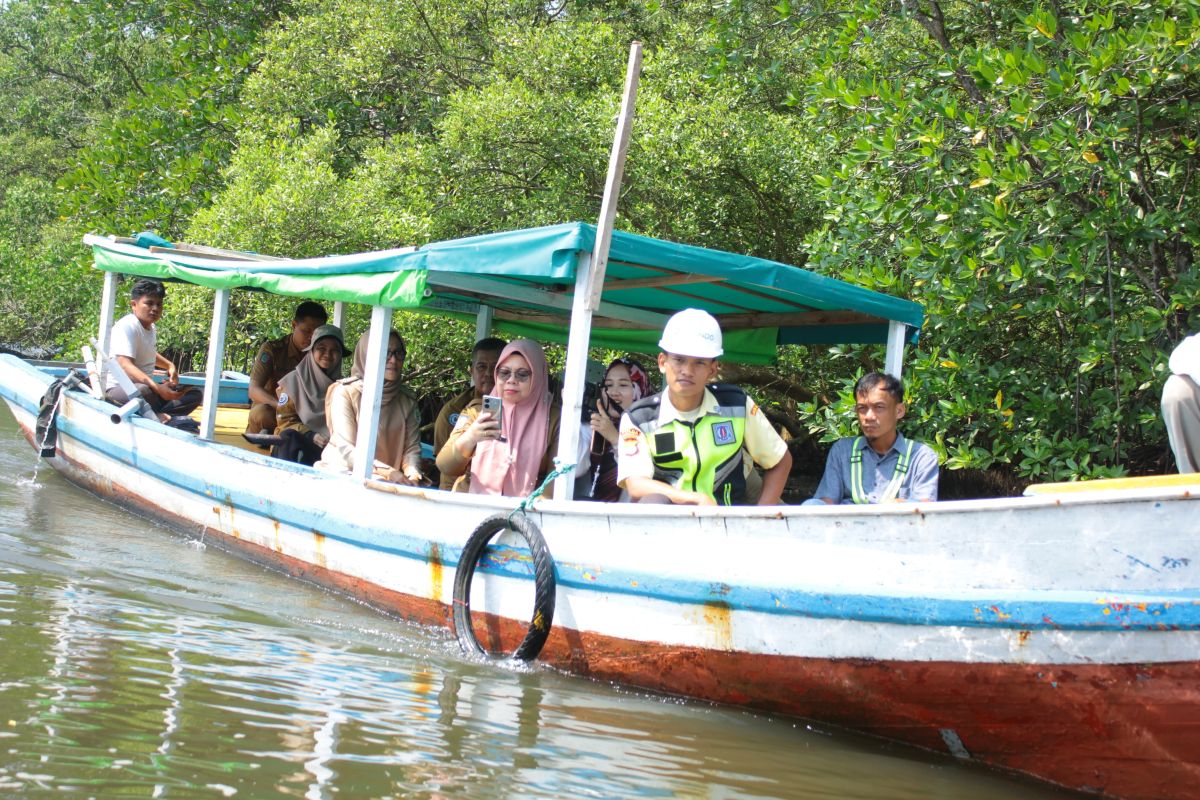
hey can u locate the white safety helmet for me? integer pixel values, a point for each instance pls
(692, 332)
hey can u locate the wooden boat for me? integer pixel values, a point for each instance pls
(1056, 634)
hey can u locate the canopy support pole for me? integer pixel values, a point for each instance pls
(589, 284)
(894, 360)
(368, 410)
(108, 303)
(483, 322)
(339, 315)
(212, 370)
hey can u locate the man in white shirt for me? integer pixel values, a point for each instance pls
(134, 344)
(1181, 404)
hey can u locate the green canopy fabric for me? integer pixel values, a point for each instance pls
(528, 276)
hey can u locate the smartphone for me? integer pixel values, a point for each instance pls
(492, 405)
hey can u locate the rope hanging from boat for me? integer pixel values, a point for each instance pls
(544, 585)
(532, 497)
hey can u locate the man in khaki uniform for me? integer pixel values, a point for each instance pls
(276, 358)
(484, 356)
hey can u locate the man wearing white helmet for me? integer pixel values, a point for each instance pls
(687, 445)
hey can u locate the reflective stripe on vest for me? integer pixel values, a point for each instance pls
(893, 488)
(702, 456)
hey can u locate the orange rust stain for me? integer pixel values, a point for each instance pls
(999, 614)
(717, 619)
(1023, 638)
(278, 536)
(319, 550)
(435, 572)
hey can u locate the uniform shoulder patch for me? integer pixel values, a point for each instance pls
(283, 398)
(631, 441)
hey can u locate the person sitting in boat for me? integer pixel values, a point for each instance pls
(398, 446)
(687, 445)
(302, 391)
(276, 358)
(510, 454)
(133, 342)
(881, 466)
(625, 382)
(1181, 404)
(484, 357)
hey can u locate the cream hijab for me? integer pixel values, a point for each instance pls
(359, 368)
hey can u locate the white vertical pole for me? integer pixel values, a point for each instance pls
(212, 369)
(368, 411)
(574, 375)
(589, 283)
(483, 322)
(108, 303)
(894, 361)
(339, 314)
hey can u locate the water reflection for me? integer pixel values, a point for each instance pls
(134, 665)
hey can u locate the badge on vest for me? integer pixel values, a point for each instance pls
(723, 433)
(664, 442)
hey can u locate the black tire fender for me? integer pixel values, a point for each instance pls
(544, 585)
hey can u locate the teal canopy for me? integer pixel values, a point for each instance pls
(528, 277)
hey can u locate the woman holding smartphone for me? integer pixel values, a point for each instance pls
(509, 453)
(625, 381)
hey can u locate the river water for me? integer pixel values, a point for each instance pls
(135, 663)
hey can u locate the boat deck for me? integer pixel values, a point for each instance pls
(231, 421)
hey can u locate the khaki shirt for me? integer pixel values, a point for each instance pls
(446, 420)
(276, 358)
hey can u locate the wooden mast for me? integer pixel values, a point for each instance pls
(589, 283)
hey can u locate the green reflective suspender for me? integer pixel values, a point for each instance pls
(898, 472)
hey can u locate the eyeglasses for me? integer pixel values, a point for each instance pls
(397, 354)
(521, 375)
(608, 386)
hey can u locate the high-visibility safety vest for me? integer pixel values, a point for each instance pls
(856, 469)
(702, 456)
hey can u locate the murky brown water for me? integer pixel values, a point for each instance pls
(134, 663)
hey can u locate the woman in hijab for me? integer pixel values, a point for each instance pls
(398, 446)
(301, 411)
(625, 381)
(510, 456)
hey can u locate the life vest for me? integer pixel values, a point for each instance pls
(898, 472)
(701, 456)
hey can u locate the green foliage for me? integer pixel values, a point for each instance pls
(156, 151)
(1028, 178)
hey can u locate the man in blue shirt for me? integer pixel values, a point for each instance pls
(881, 466)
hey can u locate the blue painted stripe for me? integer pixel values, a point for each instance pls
(1096, 610)
(1025, 610)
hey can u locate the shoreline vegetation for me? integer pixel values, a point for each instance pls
(1025, 172)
